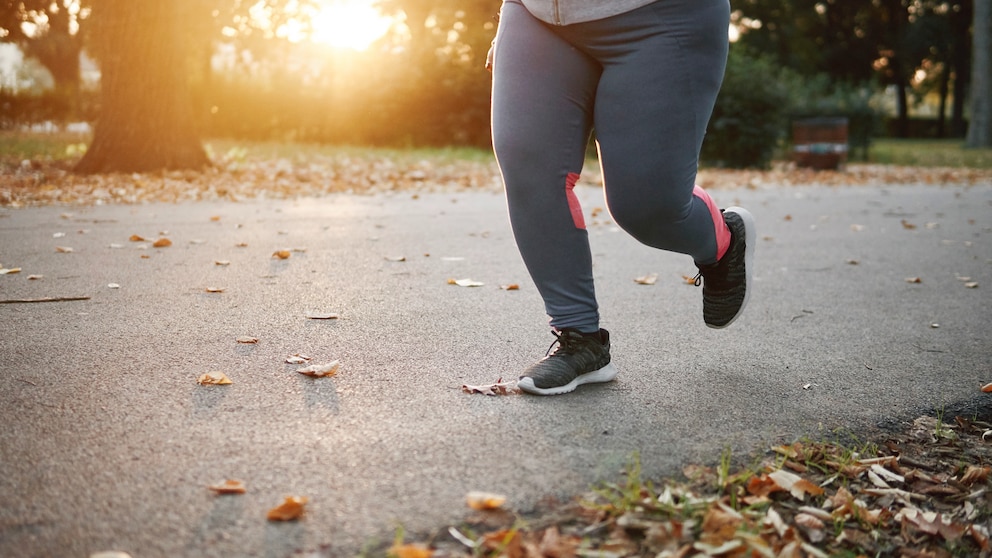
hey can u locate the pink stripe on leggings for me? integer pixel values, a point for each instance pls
(573, 201)
(722, 231)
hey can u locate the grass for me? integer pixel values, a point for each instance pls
(68, 146)
(928, 153)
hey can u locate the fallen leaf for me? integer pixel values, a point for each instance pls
(34, 277)
(215, 217)
(853, 262)
(116, 246)
(987, 388)
(857, 228)
(291, 509)
(914, 280)
(971, 285)
(719, 525)
(137, 238)
(297, 359)
(229, 486)
(113, 286)
(282, 254)
(241, 245)
(58, 235)
(907, 225)
(247, 340)
(413, 550)
(10, 271)
(975, 474)
(395, 258)
(222, 262)
(484, 500)
(796, 485)
(499, 388)
(808, 521)
(465, 283)
(650, 279)
(215, 289)
(689, 279)
(63, 249)
(322, 316)
(162, 243)
(510, 287)
(321, 370)
(214, 379)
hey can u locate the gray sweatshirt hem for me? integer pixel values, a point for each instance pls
(567, 12)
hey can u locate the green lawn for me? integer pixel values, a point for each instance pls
(928, 153)
(62, 146)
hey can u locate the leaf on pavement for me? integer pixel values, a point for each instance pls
(297, 358)
(987, 388)
(63, 249)
(11, 271)
(650, 279)
(162, 243)
(137, 238)
(229, 486)
(484, 500)
(971, 285)
(465, 282)
(914, 280)
(214, 379)
(291, 509)
(395, 258)
(510, 287)
(321, 370)
(215, 289)
(222, 263)
(247, 340)
(499, 388)
(35, 277)
(281, 254)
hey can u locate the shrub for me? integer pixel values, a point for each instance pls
(751, 113)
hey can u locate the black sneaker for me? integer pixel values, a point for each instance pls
(727, 283)
(578, 359)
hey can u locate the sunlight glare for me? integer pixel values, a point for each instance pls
(351, 24)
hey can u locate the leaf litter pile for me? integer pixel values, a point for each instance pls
(922, 492)
(239, 174)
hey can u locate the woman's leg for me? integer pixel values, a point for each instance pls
(542, 110)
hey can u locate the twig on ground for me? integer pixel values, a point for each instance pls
(43, 299)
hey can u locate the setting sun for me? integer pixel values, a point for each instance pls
(352, 24)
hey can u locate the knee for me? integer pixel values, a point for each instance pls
(642, 218)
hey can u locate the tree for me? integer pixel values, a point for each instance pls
(146, 120)
(980, 128)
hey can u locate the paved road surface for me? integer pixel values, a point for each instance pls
(107, 442)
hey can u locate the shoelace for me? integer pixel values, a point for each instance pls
(565, 343)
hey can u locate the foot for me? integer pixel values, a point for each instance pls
(578, 359)
(727, 283)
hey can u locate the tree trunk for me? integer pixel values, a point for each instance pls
(945, 78)
(980, 126)
(146, 121)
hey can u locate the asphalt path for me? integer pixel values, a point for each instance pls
(108, 443)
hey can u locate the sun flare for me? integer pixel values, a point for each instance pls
(351, 24)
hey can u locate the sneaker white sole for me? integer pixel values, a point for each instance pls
(604, 374)
(750, 239)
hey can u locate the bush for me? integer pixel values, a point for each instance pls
(751, 113)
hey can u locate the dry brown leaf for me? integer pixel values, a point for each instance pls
(222, 263)
(465, 282)
(241, 245)
(282, 254)
(395, 258)
(649, 279)
(971, 285)
(162, 243)
(247, 340)
(215, 217)
(796, 485)
(215, 289)
(297, 358)
(987, 388)
(63, 249)
(499, 388)
(35, 277)
(689, 279)
(291, 509)
(413, 550)
(484, 500)
(914, 280)
(214, 379)
(137, 238)
(720, 525)
(321, 370)
(229, 486)
(907, 225)
(975, 474)
(10, 271)
(808, 521)
(510, 287)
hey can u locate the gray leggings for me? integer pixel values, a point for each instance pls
(646, 82)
